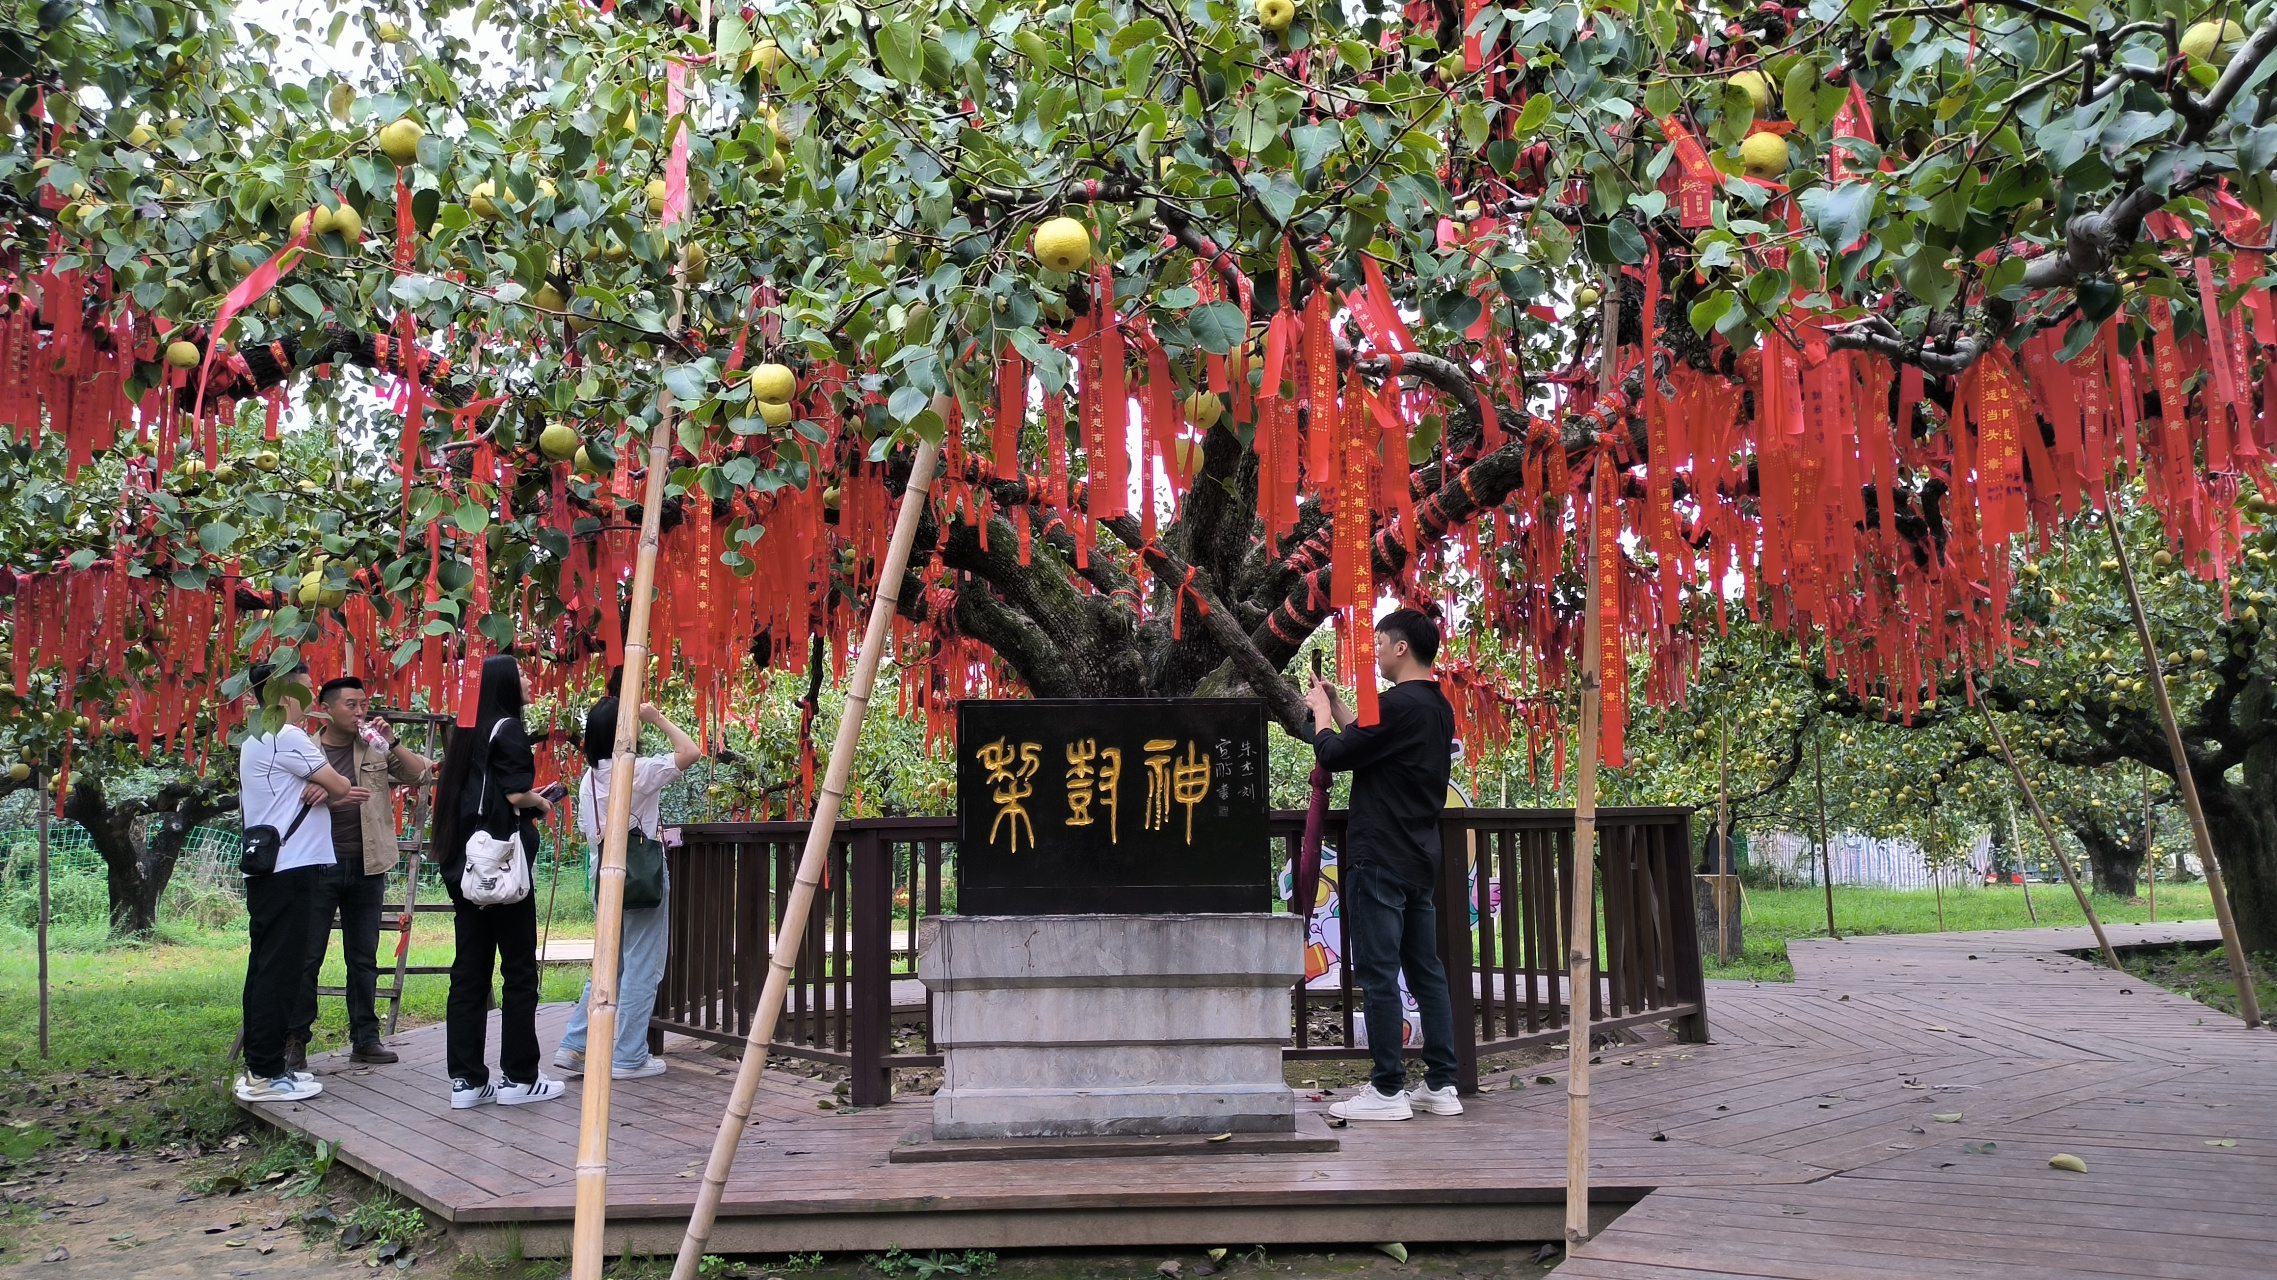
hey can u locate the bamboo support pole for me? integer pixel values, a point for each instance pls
(1825, 848)
(41, 823)
(2047, 829)
(2248, 1003)
(586, 1237)
(588, 1230)
(1581, 938)
(784, 952)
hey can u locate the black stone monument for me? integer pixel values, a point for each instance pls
(1117, 806)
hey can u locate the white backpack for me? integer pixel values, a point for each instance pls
(496, 872)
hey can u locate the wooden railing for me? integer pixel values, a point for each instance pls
(853, 980)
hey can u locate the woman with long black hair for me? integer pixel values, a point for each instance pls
(488, 784)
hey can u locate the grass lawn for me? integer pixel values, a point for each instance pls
(1775, 915)
(169, 1010)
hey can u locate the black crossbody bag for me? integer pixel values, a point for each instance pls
(263, 844)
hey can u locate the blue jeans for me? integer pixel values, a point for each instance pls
(640, 967)
(1390, 925)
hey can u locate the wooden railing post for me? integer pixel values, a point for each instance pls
(1453, 906)
(1686, 980)
(870, 881)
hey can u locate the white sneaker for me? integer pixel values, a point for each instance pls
(1371, 1105)
(465, 1097)
(285, 1088)
(569, 1062)
(649, 1066)
(538, 1090)
(1439, 1102)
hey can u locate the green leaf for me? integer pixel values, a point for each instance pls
(1709, 309)
(1661, 99)
(900, 49)
(906, 403)
(734, 36)
(1533, 115)
(686, 382)
(1217, 327)
(217, 537)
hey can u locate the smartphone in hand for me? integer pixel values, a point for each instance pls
(554, 792)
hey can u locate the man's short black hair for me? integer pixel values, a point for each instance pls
(335, 685)
(276, 671)
(1411, 625)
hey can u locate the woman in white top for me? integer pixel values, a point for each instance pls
(641, 953)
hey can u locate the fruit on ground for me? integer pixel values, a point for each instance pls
(773, 384)
(1763, 155)
(1276, 15)
(1757, 86)
(1063, 244)
(2213, 43)
(558, 442)
(773, 414)
(1204, 410)
(183, 354)
(401, 140)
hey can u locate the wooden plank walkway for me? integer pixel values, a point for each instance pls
(1799, 1144)
(2028, 1051)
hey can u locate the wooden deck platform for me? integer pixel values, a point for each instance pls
(2172, 1106)
(1801, 1143)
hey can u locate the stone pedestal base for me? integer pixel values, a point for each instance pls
(1057, 1026)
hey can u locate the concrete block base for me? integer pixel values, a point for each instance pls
(1094, 1025)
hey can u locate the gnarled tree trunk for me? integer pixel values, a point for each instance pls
(2114, 855)
(2242, 818)
(139, 854)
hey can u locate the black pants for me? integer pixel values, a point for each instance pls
(277, 915)
(508, 934)
(1391, 925)
(357, 897)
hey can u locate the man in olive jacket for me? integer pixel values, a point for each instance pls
(363, 852)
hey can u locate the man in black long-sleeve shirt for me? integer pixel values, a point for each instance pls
(1390, 861)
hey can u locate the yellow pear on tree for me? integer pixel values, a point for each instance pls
(656, 194)
(1204, 410)
(774, 414)
(1063, 244)
(1276, 15)
(1763, 155)
(401, 140)
(773, 384)
(1757, 86)
(558, 441)
(183, 354)
(483, 200)
(2213, 43)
